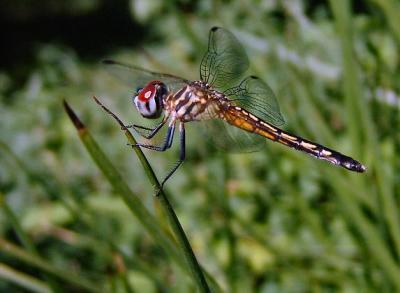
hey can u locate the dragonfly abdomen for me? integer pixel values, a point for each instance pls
(249, 122)
(319, 151)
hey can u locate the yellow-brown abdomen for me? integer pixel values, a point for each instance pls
(240, 118)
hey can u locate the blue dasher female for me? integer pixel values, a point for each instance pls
(249, 105)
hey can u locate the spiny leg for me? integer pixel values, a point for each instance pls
(167, 143)
(182, 155)
(153, 131)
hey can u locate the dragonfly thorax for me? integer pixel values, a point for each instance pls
(202, 84)
(193, 102)
(149, 100)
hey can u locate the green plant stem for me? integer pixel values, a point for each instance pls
(134, 202)
(12, 250)
(23, 280)
(179, 233)
(373, 240)
(359, 112)
(26, 242)
(119, 185)
(342, 13)
(25, 239)
(232, 269)
(391, 9)
(183, 242)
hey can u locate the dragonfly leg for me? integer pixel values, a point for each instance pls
(182, 155)
(167, 143)
(153, 131)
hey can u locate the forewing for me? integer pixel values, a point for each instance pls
(136, 77)
(255, 96)
(225, 60)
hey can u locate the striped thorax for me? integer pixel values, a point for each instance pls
(194, 102)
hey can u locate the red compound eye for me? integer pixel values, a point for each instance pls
(147, 93)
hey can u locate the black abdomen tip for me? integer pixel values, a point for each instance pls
(354, 166)
(360, 168)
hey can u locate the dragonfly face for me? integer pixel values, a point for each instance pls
(149, 100)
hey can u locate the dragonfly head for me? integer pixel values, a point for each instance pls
(149, 100)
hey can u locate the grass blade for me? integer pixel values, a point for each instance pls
(23, 280)
(134, 202)
(33, 260)
(391, 9)
(179, 233)
(359, 112)
(23, 237)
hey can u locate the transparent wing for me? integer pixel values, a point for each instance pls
(137, 77)
(255, 96)
(221, 135)
(225, 60)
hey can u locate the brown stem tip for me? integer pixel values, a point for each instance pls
(75, 120)
(109, 112)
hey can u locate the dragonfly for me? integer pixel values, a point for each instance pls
(220, 98)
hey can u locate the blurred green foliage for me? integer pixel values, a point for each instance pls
(271, 221)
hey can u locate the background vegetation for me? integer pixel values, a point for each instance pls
(271, 221)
